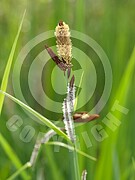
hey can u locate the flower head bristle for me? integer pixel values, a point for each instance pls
(64, 44)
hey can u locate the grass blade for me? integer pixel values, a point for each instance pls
(77, 93)
(9, 64)
(72, 149)
(39, 116)
(12, 156)
(57, 174)
(122, 96)
(8, 150)
(25, 166)
(133, 162)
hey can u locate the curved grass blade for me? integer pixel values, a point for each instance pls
(71, 148)
(39, 116)
(122, 95)
(17, 173)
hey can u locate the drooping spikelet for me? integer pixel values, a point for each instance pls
(64, 44)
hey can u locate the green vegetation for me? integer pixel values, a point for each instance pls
(110, 155)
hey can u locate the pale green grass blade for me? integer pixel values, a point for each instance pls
(12, 156)
(39, 116)
(130, 170)
(122, 93)
(72, 149)
(8, 150)
(77, 93)
(9, 64)
(133, 162)
(17, 173)
(106, 154)
(56, 173)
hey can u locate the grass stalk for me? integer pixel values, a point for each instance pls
(17, 173)
(76, 164)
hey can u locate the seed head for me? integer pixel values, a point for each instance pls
(64, 45)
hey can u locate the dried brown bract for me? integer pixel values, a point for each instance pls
(82, 117)
(56, 59)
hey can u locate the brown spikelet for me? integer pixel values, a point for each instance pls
(56, 59)
(64, 45)
(83, 117)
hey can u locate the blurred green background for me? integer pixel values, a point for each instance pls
(112, 25)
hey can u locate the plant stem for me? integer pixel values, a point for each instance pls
(25, 166)
(74, 153)
(76, 164)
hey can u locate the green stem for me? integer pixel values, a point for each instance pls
(76, 164)
(25, 166)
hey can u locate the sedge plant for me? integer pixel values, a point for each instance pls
(63, 61)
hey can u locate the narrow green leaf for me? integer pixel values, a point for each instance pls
(39, 116)
(109, 145)
(12, 156)
(133, 162)
(8, 150)
(122, 93)
(77, 93)
(9, 64)
(25, 166)
(72, 149)
(56, 173)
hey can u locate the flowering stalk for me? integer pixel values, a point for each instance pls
(68, 108)
(64, 49)
(63, 61)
